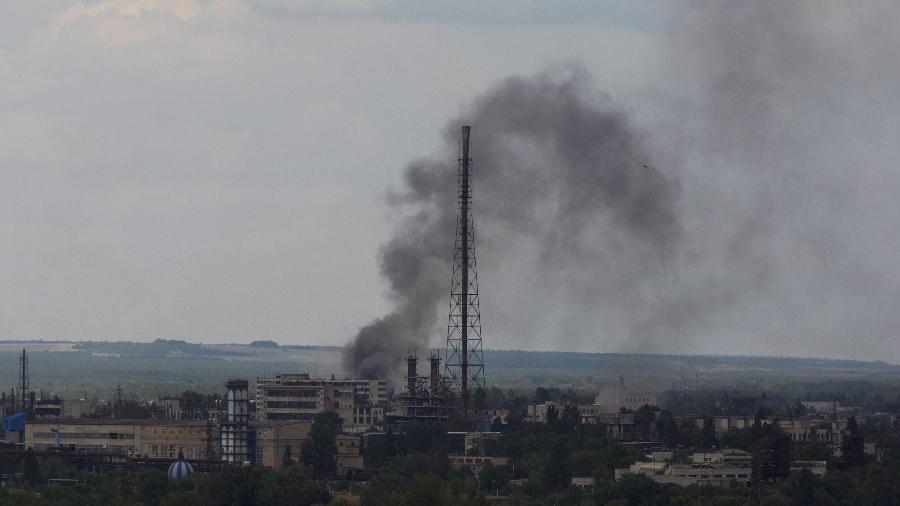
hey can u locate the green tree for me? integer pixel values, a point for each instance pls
(584, 462)
(667, 428)
(180, 498)
(151, 486)
(493, 478)
(479, 400)
(287, 460)
(556, 472)
(643, 420)
(570, 420)
(517, 411)
(708, 433)
(552, 414)
(288, 487)
(32, 471)
(541, 395)
(853, 448)
(319, 450)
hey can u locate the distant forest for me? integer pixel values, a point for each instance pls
(164, 367)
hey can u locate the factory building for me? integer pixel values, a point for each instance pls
(613, 398)
(360, 403)
(266, 442)
(426, 398)
(270, 440)
(234, 429)
(154, 439)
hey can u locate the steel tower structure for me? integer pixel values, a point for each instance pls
(465, 362)
(24, 386)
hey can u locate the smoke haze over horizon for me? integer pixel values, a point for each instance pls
(673, 177)
(754, 227)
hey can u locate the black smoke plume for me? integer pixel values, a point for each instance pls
(555, 165)
(760, 217)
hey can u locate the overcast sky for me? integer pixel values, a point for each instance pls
(216, 170)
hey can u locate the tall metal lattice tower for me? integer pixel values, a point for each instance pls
(24, 387)
(465, 361)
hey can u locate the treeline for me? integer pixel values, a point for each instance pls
(231, 485)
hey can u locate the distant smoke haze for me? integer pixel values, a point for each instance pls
(557, 166)
(749, 205)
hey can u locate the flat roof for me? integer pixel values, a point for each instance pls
(118, 421)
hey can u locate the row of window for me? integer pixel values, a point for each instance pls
(171, 452)
(279, 392)
(290, 416)
(84, 435)
(292, 404)
(88, 448)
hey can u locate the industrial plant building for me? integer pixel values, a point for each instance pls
(613, 398)
(360, 403)
(426, 398)
(150, 438)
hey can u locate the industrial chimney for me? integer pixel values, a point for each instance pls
(435, 361)
(411, 374)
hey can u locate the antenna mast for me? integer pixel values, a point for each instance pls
(24, 387)
(465, 362)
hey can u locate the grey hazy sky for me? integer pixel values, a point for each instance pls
(216, 170)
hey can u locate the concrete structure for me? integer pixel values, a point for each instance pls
(167, 439)
(614, 398)
(828, 408)
(618, 425)
(719, 468)
(234, 431)
(155, 439)
(360, 403)
(813, 429)
(475, 464)
(426, 398)
(48, 408)
(349, 455)
(726, 457)
(704, 474)
(271, 439)
(77, 408)
(583, 483)
(537, 413)
(723, 424)
(816, 467)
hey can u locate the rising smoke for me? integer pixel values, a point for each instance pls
(556, 165)
(752, 209)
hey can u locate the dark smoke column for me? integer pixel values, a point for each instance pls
(465, 364)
